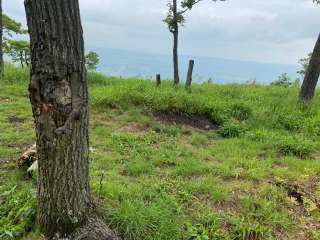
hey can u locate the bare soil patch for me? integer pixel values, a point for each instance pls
(15, 120)
(5, 100)
(133, 128)
(3, 162)
(195, 121)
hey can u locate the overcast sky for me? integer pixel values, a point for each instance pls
(277, 31)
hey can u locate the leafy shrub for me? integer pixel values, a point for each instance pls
(260, 135)
(240, 112)
(291, 121)
(312, 126)
(258, 219)
(198, 232)
(15, 74)
(199, 140)
(17, 213)
(212, 135)
(171, 131)
(283, 80)
(232, 129)
(217, 116)
(295, 146)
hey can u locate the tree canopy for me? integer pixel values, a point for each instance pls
(92, 61)
(175, 21)
(11, 26)
(19, 51)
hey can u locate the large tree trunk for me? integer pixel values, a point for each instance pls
(175, 44)
(1, 41)
(59, 98)
(312, 75)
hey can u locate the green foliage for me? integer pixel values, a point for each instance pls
(17, 212)
(199, 140)
(136, 221)
(92, 61)
(197, 232)
(189, 4)
(240, 112)
(283, 81)
(173, 20)
(160, 181)
(291, 121)
(11, 26)
(19, 51)
(175, 17)
(312, 126)
(304, 62)
(208, 226)
(232, 129)
(15, 74)
(261, 216)
(132, 92)
(296, 146)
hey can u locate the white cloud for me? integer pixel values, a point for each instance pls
(274, 30)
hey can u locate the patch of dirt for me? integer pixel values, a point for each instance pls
(5, 100)
(3, 163)
(15, 120)
(231, 205)
(195, 121)
(133, 128)
(298, 193)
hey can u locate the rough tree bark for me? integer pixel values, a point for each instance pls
(190, 72)
(59, 98)
(1, 41)
(312, 75)
(175, 33)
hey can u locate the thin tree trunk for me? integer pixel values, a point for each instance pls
(190, 72)
(59, 98)
(21, 59)
(312, 75)
(1, 41)
(175, 44)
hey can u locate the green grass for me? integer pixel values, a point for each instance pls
(165, 182)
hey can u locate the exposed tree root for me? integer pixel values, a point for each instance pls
(95, 229)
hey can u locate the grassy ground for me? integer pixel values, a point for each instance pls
(255, 177)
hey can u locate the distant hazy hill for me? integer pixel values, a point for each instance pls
(137, 64)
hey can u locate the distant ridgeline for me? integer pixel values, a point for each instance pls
(145, 65)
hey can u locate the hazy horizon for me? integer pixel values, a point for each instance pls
(274, 31)
(128, 63)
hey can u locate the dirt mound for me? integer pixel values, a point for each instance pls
(195, 121)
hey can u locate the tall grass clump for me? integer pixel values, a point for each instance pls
(15, 74)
